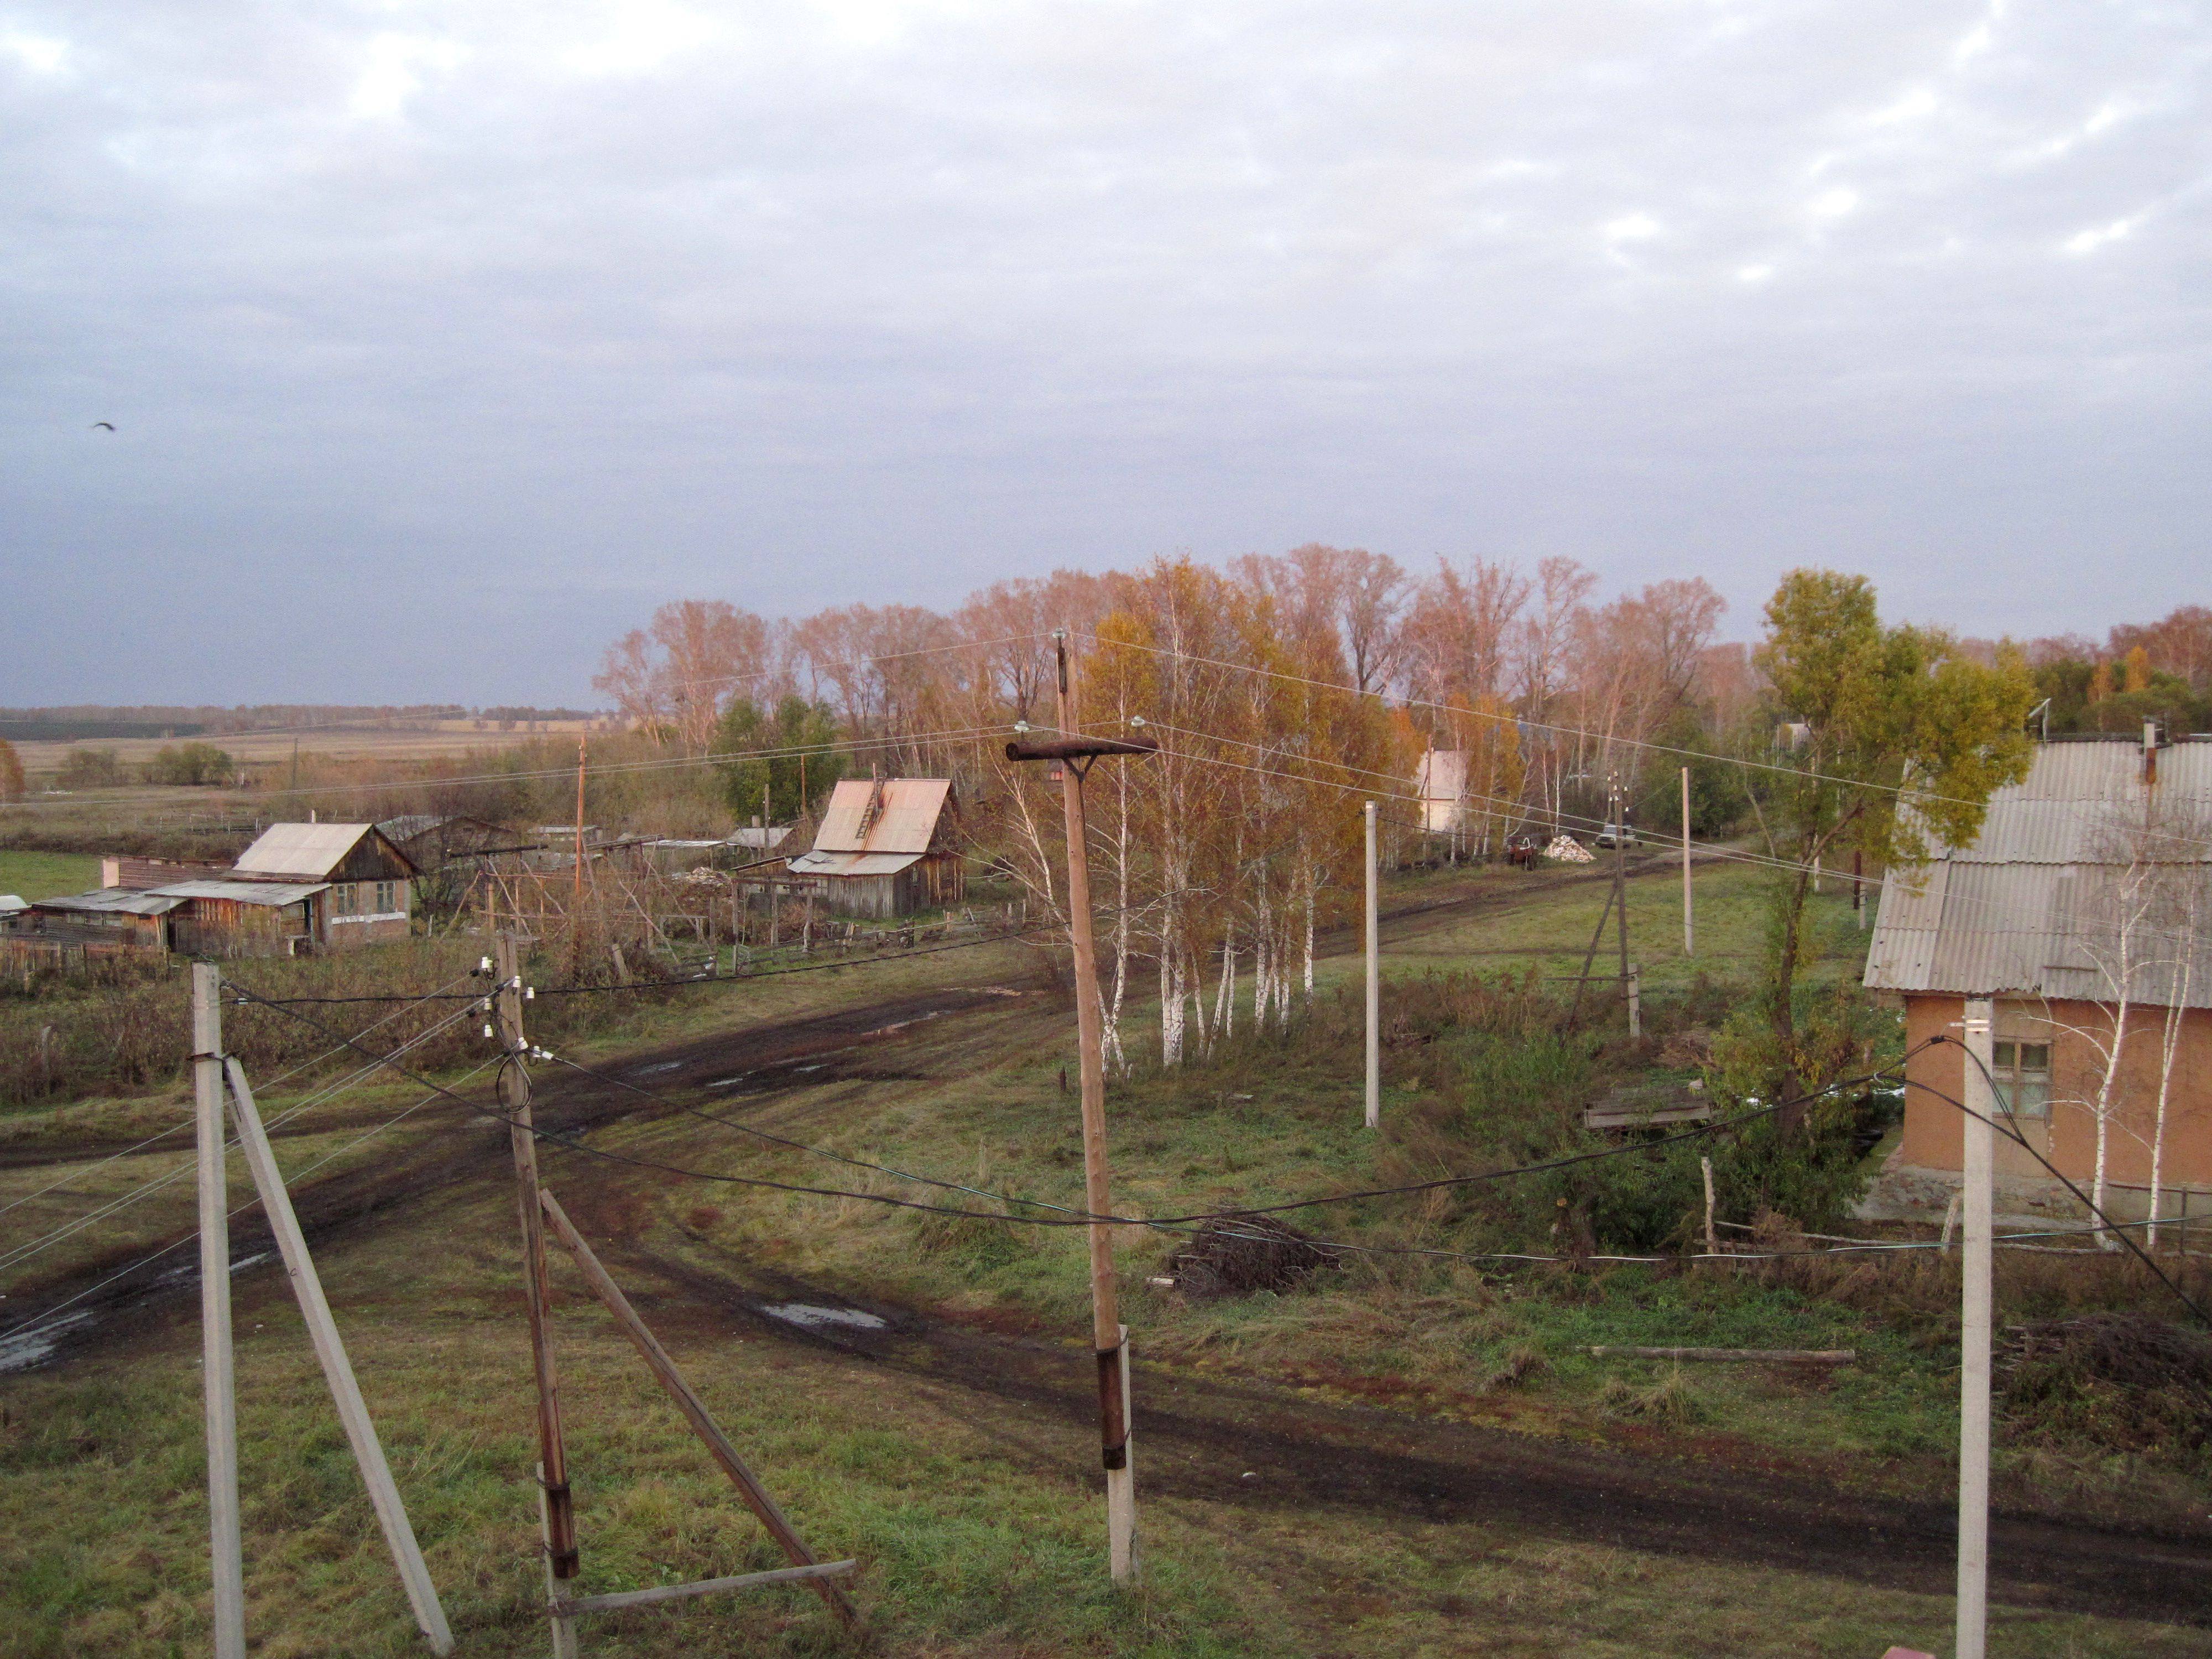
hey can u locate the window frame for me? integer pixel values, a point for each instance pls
(2013, 1073)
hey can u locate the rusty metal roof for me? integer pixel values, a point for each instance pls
(888, 815)
(302, 849)
(2034, 905)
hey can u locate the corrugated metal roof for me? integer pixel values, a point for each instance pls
(820, 863)
(2034, 907)
(765, 839)
(10, 903)
(905, 817)
(2079, 800)
(302, 849)
(246, 892)
(112, 901)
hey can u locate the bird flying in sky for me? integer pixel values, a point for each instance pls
(98, 425)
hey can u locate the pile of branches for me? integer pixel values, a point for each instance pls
(2125, 1381)
(1237, 1255)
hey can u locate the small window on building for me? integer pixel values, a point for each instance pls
(342, 899)
(2023, 1071)
(387, 897)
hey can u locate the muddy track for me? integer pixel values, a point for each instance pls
(1251, 1446)
(1240, 1445)
(467, 1147)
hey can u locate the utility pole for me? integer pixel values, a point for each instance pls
(1109, 1337)
(1689, 931)
(1620, 879)
(226, 1554)
(1374, 986)
(1977, 1172)
(556, 1508)
(576, 902)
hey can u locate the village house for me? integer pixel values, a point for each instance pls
(887, 847)
(2084, 909)
(300, 888)
(368, 897)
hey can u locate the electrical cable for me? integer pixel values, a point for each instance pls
(163, 1134)
(2021, 1141)
(174, 1244)
(1080, 1219)
(321, 1096)
(1518, 722)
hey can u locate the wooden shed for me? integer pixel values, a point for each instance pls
(887, 846)
(369, 898)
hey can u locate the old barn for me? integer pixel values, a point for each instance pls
(887, 846)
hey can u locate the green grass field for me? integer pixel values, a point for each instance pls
(42, 875)
(974, 1510)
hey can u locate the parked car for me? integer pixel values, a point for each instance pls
(1617, 834)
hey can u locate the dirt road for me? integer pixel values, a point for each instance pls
(1200, 1437)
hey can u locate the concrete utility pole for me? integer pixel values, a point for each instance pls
(1689, 930)
(1109, 1337)
(1977, 1172)
(556, 1508)
(1374, 986)
(226, 1554)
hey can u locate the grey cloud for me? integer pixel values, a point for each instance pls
(477, 331)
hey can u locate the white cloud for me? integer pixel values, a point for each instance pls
(394, 70)
(1630, 227)
(644, 37)
(41, 54)
(1754, 273)
(1833, 204)
(2089, 241)
(1917, 105)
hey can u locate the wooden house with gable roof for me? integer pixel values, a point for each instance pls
(887, 846)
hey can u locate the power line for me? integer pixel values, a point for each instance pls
(1518, 722)
(1080, 1219)
(163, 1134)
(155, 1255)
(329, 1092)
(2013, 1135)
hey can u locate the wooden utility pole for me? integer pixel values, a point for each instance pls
(557, 1513)
(1689, 931)
(1374, 986)
(1109, 1337)
(1620, 879)
(1977, 1178)
(225, 1555)
(756, 1495)
(576, 900)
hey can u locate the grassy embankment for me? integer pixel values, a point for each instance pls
(971, 1511)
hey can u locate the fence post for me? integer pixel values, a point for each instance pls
(1374, 986)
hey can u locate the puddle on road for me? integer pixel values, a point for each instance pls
(665, 1065)
(22, 1351)
(811, 1315)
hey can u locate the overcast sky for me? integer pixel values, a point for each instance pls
(443, 343)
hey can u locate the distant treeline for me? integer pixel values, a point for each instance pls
(75, 723)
